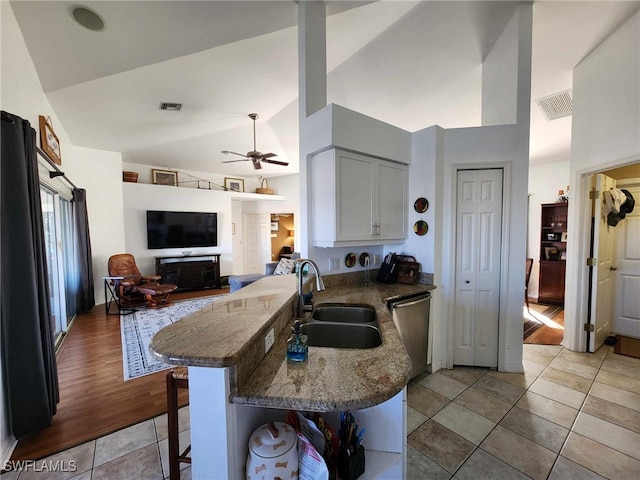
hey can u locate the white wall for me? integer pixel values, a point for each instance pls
(100, 173)
(94, 170)
(500, 79)
(506, 147)
(544, 182)
(287, 186)
(605, 134)
(422, 183)
(97, 171)
(138, 198)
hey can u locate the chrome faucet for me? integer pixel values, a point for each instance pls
(302, 308)
(367, 268)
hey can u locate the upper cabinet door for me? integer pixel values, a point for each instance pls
(358, 200)
(355, 201)
(392, 201)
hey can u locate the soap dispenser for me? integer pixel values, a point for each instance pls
(297, 349)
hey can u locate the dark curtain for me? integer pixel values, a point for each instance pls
(28, 354)
(85, 299)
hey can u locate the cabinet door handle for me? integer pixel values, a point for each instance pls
(613, 269)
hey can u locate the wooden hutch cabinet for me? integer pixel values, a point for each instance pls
(553, 250)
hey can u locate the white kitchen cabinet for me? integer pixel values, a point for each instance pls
(358, 200)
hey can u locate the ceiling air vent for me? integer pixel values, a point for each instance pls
(172, 107)
(557, 105)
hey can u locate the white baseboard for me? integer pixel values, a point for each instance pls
(513, 368)
(435, 366)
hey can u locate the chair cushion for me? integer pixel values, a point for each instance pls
(285, 266)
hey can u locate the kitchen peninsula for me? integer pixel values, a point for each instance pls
(234, 387)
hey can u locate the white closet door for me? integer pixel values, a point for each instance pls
(478, 246)
(258, 242)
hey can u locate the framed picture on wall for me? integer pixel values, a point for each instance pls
(49, 142)
(275, 226)
(164, 177)
(234, 184)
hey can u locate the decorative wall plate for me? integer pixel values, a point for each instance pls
(421, 205)
(363, 258)
(350, 260)
(420, 227)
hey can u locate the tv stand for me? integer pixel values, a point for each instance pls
(190, 272)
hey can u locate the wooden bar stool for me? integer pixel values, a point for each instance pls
(176, 378)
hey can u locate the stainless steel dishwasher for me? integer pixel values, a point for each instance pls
(411, 316)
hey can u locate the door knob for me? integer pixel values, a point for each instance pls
(613, 269)
(467, 281)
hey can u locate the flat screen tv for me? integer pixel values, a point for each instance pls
(181, 229)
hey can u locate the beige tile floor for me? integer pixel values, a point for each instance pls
(569, 416)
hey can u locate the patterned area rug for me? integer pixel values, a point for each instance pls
(138, 329)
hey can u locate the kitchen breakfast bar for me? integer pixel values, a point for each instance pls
(234, 386)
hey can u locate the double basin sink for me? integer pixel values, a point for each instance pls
(343, 325)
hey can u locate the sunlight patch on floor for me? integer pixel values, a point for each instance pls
(540, 318)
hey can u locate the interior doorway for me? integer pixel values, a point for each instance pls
(543, 316)
(575, 334)
(615, 272)
(282, 235)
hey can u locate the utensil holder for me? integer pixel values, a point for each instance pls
(351, 467)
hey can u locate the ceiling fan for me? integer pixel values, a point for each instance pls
(255, 156)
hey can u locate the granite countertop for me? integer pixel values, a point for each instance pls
(230, 332)
(219, 334)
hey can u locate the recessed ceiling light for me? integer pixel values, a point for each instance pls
(88, 18)
(172, 107)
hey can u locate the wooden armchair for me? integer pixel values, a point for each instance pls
(135, 289)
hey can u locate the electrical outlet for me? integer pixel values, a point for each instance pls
(334, 264)
(376, 259)
(269, 340)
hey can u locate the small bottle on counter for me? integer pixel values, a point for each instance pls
(297, 349)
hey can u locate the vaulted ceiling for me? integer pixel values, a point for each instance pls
(411, 64)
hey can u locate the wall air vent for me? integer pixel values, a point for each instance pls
(557, 105)
(172, 107)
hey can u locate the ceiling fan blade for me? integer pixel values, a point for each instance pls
(233, 161)
(276, 162)
(268, 155)
(227, 152)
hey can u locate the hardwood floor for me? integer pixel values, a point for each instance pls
(94, 398)
(551, 334)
